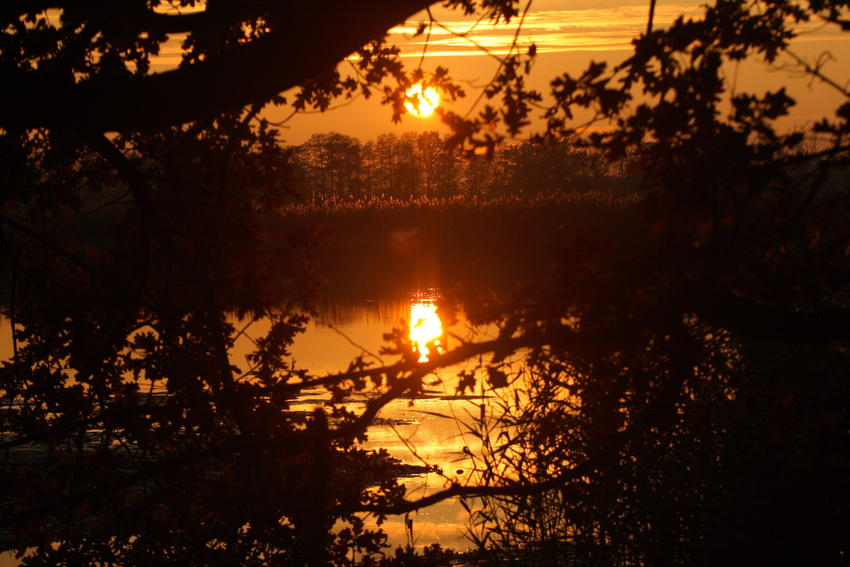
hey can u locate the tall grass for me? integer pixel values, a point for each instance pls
(324, 205)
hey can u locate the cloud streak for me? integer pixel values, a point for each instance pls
(553, 31)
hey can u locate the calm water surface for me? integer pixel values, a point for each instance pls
(431, 430)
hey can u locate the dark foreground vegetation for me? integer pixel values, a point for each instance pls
(672, 392)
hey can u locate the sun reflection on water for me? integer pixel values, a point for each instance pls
(426, 329)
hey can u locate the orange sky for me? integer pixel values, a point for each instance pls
(569, 34)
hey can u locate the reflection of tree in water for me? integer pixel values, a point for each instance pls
(384, 313)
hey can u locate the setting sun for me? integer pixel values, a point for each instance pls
(421, 103)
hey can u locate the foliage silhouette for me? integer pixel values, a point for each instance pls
(674, 397)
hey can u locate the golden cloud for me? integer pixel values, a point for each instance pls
(592, 29)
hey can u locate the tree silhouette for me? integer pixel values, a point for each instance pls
(684, 399)
(332, 165)
(678, 391)
(130, 264)
(240, 53)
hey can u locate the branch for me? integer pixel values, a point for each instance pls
(145, 20)
(500, 347)
(816, 72)
(602, 458)
(46, 242)
(310, 39)
(651, 17)
(659, 415)
(11, 10)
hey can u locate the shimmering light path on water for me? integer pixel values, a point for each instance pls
(430, 429)
(426, 329)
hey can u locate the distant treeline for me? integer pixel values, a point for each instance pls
(414, 165)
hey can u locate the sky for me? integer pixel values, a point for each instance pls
(569, 34)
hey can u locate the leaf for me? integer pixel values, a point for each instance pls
(496, 378)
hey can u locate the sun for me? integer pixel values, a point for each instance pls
(421, 103)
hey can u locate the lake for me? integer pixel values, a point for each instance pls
(430, 429)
